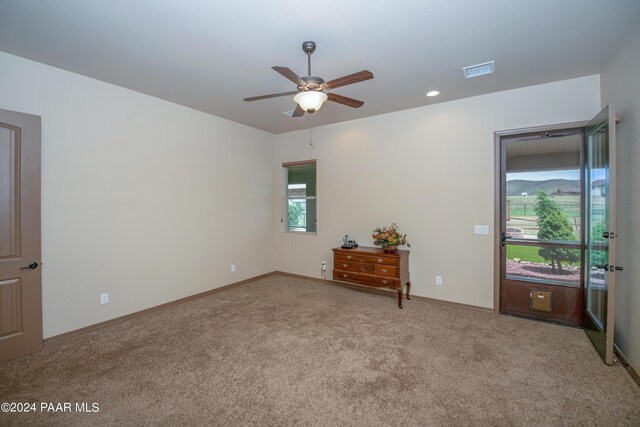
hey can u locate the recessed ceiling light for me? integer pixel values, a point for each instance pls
(433, 93)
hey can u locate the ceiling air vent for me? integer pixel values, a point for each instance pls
(478, 70)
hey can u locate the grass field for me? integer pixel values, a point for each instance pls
(530, 254)
(524, 205)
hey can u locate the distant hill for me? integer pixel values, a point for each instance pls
(519, 186)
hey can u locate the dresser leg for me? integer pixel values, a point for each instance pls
(408, 288)
(400, 298)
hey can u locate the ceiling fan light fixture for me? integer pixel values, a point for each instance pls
(310, 100)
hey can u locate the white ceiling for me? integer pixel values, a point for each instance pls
(208, 55)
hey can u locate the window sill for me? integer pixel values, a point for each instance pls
(308, 233)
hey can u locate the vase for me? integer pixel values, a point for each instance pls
(390, 249)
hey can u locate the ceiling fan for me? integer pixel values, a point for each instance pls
(311, 89)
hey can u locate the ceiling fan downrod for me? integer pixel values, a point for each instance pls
(308, 48)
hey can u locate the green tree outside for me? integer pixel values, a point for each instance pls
(598, 256)
(544, 206)
(554, 224)
(295, 211)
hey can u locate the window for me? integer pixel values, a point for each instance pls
(300, 196)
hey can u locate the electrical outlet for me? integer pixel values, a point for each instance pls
(324, 265)
(438, 280)
(104, 298)
(233, 268)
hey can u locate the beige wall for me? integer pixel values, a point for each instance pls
(429, 169)
(141, 198)
(621, 88)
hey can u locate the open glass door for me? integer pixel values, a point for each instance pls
(600, 234)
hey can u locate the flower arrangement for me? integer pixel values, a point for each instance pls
(389, 237)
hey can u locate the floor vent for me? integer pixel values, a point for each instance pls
(479, 70)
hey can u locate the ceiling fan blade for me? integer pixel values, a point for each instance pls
(349, 102)
(286, 72)
(350, 79)
(273, 95)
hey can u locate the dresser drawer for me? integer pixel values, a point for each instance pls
(385, 282)
(382, 260)
(366, 280)
(354, 266)
(349, 257)
(351, 277)
(385, 270)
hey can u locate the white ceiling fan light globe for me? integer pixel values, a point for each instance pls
(311, 100)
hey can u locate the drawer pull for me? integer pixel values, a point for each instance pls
(345, 275)
(345, 265)
(384, 282)
(380, 260)
(384, 270)
(348, 256)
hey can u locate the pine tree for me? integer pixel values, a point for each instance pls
(554, 225)
(544, 206)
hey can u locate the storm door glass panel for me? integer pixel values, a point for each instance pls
(543, 197)
(598, 211)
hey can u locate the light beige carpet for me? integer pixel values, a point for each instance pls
(284, 351)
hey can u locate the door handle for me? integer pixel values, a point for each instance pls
(604, 267)
(32, 266)
(504, 238)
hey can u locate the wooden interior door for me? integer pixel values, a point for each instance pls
(600, 236)
(20, 276)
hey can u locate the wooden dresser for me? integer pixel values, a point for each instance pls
(373, 267)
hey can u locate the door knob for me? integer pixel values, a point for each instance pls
(32, 266)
